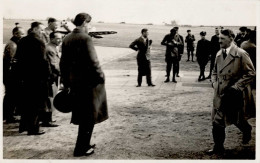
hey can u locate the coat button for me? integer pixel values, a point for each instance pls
(220, 82)
(221, 71)
(229, 71)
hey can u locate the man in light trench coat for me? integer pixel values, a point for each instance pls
(232, 74)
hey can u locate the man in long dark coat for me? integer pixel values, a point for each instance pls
(82, 75)
(190, 45)
(179, 39)
(215, 47)
(202, 53)
(143, 45)
(232, 74)
(33, 70)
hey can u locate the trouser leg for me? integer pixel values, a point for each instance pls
(192, 55)
(219, 136)
(188, 52)
(168, 68)
(9, 104)
(33, 121)
(139, 79)
(174, 69)
(149, 79)
(84, 136)
(245, 128)
(178, 68)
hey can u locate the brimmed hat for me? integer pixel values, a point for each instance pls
(63, 101)
(203, 33)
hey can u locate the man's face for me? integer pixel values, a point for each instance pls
(216, 31)
(54, 26)
(202, 37)
(145, 34)
(189, 33)
(243, 33)
(57, 40)
(39, 30)
(224, 41)
(20, 33)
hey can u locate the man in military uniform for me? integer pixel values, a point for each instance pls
(52, 26)
(143, 45)
(10, 81)
(215, 47)
(190, 44)
(180, 45)
(232, 74)
(171, 41)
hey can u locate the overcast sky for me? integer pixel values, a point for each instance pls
(194, 12)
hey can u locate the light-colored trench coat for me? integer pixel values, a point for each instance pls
(235, 71)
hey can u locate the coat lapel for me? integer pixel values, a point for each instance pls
(229, 59)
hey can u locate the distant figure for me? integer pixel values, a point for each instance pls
(52, 54)
(190, 45)
(215, 47)
(10, 80)
(33, 70)
(233, 73)
(250, 47)
(53, 25)
(180, 49)
(143, 46)
(82, 75)
(202, 54)
(171, 42)
(241, 36)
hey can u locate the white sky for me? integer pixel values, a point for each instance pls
(194, 12)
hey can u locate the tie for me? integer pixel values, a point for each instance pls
(224, 53)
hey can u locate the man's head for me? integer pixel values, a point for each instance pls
(216, 31)
(53, 24)
(189, 31)
(81, 21)
(226, 38)
(37, 28)
(221, 29)
(252, 37)
(18, 32)
(145, 32)
(56, 38)
(243, 30)
(173, 31)
(177, 29)
(203, 34)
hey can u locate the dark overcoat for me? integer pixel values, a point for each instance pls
(235, 71)
(143, 55)
(82, 73)
(203, 51)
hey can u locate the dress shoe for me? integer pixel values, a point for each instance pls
(89, 152)
(36, 133)
(151, 85)
(188, 60)
(49, 125)
(138, 85)
(177, 75)
(209, 77)
(174, 81)
(214, 151)
(167, 80)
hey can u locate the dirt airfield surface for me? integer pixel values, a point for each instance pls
(165, 122)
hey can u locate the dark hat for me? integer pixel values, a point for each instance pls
(176, 28)
(188, 30)
(203, 33)
(243, 29)
(63, 101)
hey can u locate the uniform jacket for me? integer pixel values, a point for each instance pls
(190, 41)
(172, 49)
(203, 51)
(235, 71)
(215, 46)
(82, 73)
(53, 57)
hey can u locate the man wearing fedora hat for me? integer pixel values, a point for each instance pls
(82, 75)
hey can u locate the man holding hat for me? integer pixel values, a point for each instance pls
(179, 38)
(232, 74)
(202, 54)
(81, 73)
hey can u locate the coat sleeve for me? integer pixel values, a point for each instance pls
(133, 45)
(53, 62)
(65, 65)
(248, 71)
(164, 41)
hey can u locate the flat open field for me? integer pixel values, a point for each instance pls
(165, 122)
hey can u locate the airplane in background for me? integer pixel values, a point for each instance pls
(66, 27)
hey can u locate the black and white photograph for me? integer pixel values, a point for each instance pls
(129, 80)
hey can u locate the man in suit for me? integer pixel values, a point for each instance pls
(171, 41)
(33, 72)
(190, 44)
(215, 47)
(10, 81)
(179, 39)
(143, 46)
(52, 53)
(81, 73)
(241, 36)
(233, 73)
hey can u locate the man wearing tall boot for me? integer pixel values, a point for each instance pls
(232, 74)
(190, 45)
(215, 47)
(171, 55)
(180, 45)
(143, 45)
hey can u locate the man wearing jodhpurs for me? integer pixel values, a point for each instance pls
(81, 73)
(233, 73)
(171, 55)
